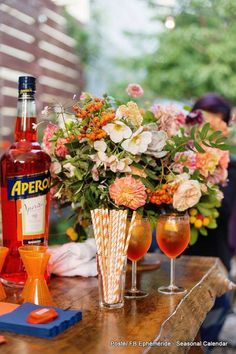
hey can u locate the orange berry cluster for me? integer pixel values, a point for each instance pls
(92, 106)
(93, 130)
(97, 119)
(163, 195)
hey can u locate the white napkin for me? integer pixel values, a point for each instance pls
(72, 259)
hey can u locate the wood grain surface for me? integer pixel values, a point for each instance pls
(156, 320)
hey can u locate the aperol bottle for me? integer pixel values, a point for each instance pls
(25, 181)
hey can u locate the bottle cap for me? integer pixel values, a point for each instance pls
(27, 84)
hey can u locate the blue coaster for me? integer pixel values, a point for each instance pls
(15, 321)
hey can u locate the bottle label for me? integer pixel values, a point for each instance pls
(30, 193)
(22, 187)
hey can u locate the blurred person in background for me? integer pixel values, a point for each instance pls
(217, 111)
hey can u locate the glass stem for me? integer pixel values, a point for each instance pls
(134, 276)
(172, 273)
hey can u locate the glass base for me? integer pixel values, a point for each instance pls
(135, 294)
(170, 290)
(118, 305)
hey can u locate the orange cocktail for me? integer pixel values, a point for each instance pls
(140, 241)
(173, 235)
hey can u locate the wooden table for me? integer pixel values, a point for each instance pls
(160, 318)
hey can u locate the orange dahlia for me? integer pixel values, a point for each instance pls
(129, 192)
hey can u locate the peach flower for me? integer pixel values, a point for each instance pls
(187, 195)
(216, 122)
(131, 113)
(224, 158)
(129, 192)
(207, 162)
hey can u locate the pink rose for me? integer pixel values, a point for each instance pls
(134, 90)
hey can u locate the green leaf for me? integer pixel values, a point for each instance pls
(185, 169)
(207, 205)
(203, 231)
(212, 224)
(148, 117)
(147, 183)
(193, 235)
(221, 140)
(222, 146)
(192, 132)
(204, 211)
(214, 135)
(187, 108)
(151, 174)
(204, 131)
(198, 147)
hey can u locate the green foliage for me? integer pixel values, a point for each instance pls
(205, 136)
(197, 56)
(86, 39)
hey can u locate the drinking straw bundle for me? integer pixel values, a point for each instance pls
(112, 243)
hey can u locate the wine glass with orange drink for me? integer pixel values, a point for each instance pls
(173, 235)
(140, 241)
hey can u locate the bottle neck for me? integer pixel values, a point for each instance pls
(26, 118)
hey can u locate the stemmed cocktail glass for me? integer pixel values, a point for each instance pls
(173, 235)
(140, 241)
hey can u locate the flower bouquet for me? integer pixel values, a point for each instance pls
(111, 155)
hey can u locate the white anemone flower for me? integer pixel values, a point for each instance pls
(100, 159)
(70, 168)
(138, 143)
(117, 131)
(117, 165)
(100, 145)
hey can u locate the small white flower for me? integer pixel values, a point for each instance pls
(100, 145)
(117, 165)
(45, 111)
(58, 194)
(117, 131)
(34, 126)
(100, 159)
(123, 165)
(70, 168)
(55, 168)
(138, 143)
(58, 108)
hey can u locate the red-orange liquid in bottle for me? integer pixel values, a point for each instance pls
(25, 181)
